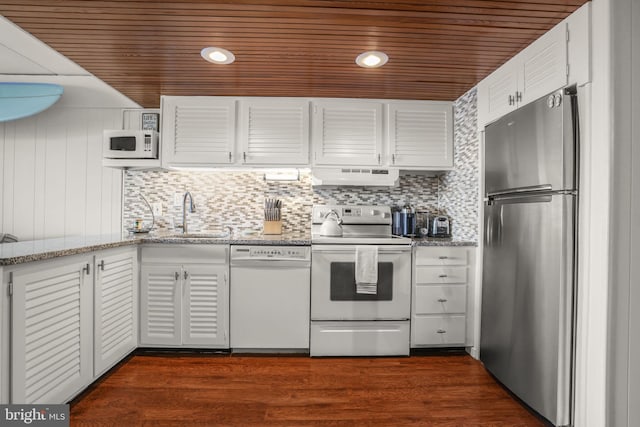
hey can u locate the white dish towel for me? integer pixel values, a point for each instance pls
(367, 270)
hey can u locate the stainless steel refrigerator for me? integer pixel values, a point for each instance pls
(529, 260)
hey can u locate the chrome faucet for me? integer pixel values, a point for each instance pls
(192, 208)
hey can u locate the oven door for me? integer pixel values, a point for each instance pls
(333, 288)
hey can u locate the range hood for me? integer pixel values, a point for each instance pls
(355, 176)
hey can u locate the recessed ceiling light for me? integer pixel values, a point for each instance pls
(217, 55)
(372, 59)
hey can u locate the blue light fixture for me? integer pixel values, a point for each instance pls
(18, 100)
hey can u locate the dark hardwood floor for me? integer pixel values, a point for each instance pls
(232, 390)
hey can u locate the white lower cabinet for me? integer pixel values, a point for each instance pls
(184, 296)
(115, 307)
(439, 311)
(51, 346)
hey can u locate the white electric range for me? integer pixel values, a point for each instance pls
(345, 321)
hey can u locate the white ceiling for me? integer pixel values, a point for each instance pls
(24, 58)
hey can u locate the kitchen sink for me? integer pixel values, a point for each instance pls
(202, 235)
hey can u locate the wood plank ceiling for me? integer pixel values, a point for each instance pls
(438, 49)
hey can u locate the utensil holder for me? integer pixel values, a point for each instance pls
(272, 227)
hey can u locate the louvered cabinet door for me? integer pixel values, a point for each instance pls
(543, 66)
(497, 92)
(51, 340)
(115, 307)
(421, 134)
(160, 307)
(274, 132)
(198, 130)
(206, 306)
(347, 133)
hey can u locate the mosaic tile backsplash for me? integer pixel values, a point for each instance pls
(236, 199)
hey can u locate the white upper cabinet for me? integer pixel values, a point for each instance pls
(274, 131)
(543, 65)
(420, 134)
(496, 93)
(211, 131)
(198, 130)
(537, 70)
(558, 58)
(347, 132)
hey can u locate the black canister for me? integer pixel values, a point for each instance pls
(396, 221)
(408, 219)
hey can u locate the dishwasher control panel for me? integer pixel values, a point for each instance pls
(270, 252)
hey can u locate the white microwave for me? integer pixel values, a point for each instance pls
(130, 144)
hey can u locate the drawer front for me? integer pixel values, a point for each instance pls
(438, 330)
(442, 256)
(187, 253)
(439, 275)
(432, 299)
(365, 338)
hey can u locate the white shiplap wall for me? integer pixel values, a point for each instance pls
(52, 180)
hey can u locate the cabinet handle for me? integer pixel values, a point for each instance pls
(378, 158)
(518, 96)
(101, 265)
(442, 276)
(393, 159)
(512, 100)
(441, 331)
(442, 300)
(186, 275)
(244, 156)
(177, 276)
(87, 269)
(443, 257)
(230, 157)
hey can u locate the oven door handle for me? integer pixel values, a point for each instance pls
(380, 252)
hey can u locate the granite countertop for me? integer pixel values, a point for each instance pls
(441, 241)
(38, 250)
(225, 238)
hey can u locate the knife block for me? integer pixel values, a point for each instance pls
(272, 227)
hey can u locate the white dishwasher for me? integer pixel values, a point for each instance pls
(269, 298)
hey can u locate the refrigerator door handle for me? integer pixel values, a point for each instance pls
(530, 189)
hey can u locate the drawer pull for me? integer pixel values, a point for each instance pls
(442, 300)
(442, 276)
(442, 331)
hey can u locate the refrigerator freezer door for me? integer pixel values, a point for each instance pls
(527, 296)
(532, 146)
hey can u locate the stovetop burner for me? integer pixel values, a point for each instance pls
(361, 225)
